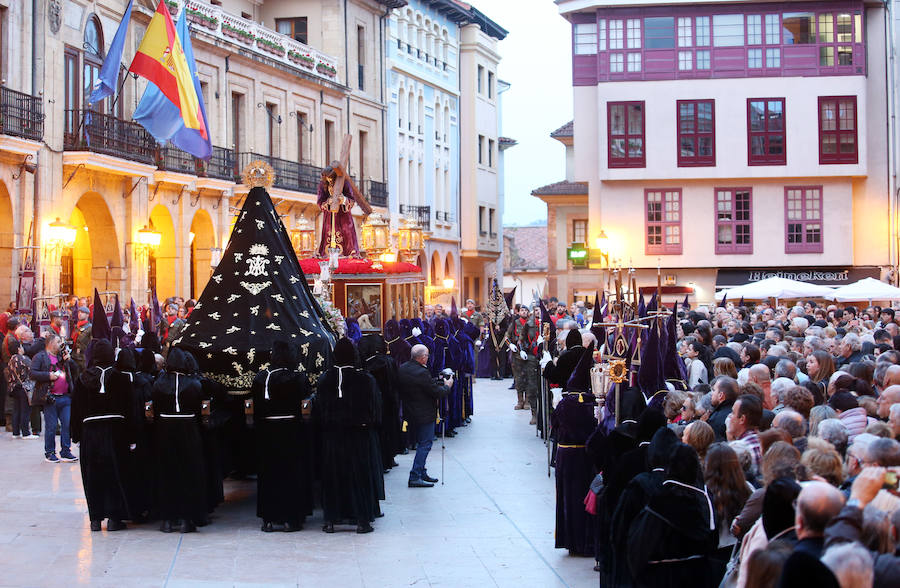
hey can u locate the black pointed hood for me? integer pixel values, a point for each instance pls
(345, 353)
(580, 380)
(650, 372)
(597, 317)
(284, 355)
(573, 338)
(509, 297)
(673, 364)
(100, 328)
(257, 295)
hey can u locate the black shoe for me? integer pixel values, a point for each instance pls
(386, 471)
(166, 527)
(267, 527)
(328, 527)
(394, 463)
(451, 433)
(405, 451)
(188, 526)
(115, 525)
(364, 528)
(597, 568)
(95, 525)
(429, 479)
(292, 527)
(420, 484)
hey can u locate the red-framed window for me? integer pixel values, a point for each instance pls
(734, 220)
(625, 134)
(803, 219)
(766, 134)
(696, 132)
(662, 221)
(837, 129)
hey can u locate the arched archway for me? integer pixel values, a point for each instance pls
(94, 259)
(8, 283)
(203, 239)
(162, 261)
(435, 273)
(450, 267)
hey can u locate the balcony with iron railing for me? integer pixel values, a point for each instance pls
(289, 175)
(377, 193)
(86, 130)
(443, 216)
(420, 214)
(21, 115)
(219, 166)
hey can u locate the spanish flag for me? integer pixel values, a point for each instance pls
(162, 61)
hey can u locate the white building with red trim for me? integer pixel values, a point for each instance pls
(726, 140)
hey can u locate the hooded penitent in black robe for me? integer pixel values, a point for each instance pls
(284, 493)
(671, 540)
(181, 483)
(140, 462)
(558, 374)
(634, 498)
(373, 351)
(572, 422)
(102, 423)
(347, 408)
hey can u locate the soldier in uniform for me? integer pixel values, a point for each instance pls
(82, 335)
(472, 315)
(173, 327)
(523, 335)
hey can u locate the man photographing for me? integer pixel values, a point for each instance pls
(420, 394)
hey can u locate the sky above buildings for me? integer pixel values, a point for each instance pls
(536, 61)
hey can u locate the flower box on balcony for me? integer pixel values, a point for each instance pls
(204, 20)
(270, 46)
(307, 61)
(173, 7)
(326, 69)
(237, 33)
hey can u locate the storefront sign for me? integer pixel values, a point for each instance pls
(826, 276)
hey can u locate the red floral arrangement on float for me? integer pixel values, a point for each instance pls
(360, 266)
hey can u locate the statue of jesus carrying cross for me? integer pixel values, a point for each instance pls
(336, 196)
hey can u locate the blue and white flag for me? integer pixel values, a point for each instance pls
(109, 71)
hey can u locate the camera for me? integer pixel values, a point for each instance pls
(446, 373)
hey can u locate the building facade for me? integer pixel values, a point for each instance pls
(437, 109)
(282, 82)
(525, 262)
(733, 139)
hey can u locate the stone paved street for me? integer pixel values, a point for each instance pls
(490, 525)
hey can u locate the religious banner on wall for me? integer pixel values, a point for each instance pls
(823, 276)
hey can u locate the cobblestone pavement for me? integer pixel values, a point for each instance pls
(490, 524)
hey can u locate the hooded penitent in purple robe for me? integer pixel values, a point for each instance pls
(398, 349)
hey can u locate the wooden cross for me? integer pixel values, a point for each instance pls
(337, 191)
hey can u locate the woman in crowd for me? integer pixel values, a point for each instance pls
(819, 367)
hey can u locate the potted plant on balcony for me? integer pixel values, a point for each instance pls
(173, 7)
(304, 59)
(240, 34)
(326, 69)
(270, 46)
(202, 19)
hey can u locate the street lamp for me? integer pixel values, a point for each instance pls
(303, 237)
(449, 283)
(409, 239)
(61, 235)
(148, 239)
(376, 237)
(602, 243)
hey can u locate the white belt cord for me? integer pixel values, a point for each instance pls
(340, 370)
(103, 378)
(103, 416)
(281, 417)
(269, 375)
(712, 516)
(178, 416)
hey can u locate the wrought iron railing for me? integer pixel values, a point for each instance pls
(377, 193)
(86, 130)
(441, 215)
(176, 160)
(21, 114)
(421, 214)
(220, 164)
(289, 175)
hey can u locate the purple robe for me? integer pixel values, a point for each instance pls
(346, 231)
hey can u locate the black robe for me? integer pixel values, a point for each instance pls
(181, 484)
(284, 478)
(573, 422)
(384, 370)
(141, 470)
(673, 528)
(347, 407)
(101, 421)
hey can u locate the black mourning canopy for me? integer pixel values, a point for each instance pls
(257, 295)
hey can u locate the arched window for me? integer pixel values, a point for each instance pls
(421, 128)
(437, 121)
(93, 38)
(401, 108)
(412, 111)
(446, 123)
